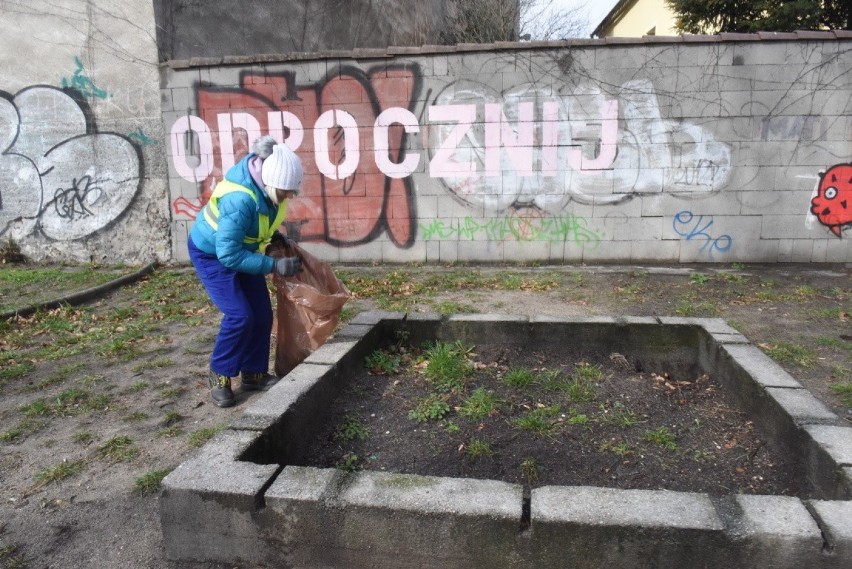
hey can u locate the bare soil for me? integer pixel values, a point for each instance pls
(621, 429)
(95, 518)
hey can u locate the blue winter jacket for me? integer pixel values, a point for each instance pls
(238, 217)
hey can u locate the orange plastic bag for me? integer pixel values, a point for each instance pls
(309, 306)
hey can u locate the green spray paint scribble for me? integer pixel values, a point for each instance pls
(81, 82)
(142, 138)
(569, 228)
(436, 229)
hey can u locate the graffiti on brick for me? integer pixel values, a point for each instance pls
(345, 200)
(832, 204)
(696, 227)
(58, 175)
(806, 128)
(568, 228)
(525, 148)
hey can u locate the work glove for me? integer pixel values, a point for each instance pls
(288, 266)
(279, 238)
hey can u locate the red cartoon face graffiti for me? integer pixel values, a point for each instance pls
(833, 202)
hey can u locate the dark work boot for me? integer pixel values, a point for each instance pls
(255, 380)
(220, 389)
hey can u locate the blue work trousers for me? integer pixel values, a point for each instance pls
(242, 344)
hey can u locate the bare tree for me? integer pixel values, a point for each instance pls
(481, 21)
(550, 20)
(486, 21)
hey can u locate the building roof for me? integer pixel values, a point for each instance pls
(618, 11)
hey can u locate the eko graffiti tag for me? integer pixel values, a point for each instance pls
(58, 176)
(689, 226)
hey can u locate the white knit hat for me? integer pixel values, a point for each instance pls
(282, 169)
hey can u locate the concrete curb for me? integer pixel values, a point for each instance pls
(245, 498)
(82, 297)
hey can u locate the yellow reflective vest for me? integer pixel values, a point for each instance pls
(265, 229)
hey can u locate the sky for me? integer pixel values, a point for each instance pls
(594, 9)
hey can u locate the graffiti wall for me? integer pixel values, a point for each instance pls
(714, 151)
(82, 162)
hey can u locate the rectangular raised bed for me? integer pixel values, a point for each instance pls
(243, 499)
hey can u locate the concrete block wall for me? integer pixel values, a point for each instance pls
(82, 161)
(676, 150)
(706, 149)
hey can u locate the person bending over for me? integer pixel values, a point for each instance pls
(226, 246)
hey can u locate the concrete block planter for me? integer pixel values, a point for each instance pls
(244, 499)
